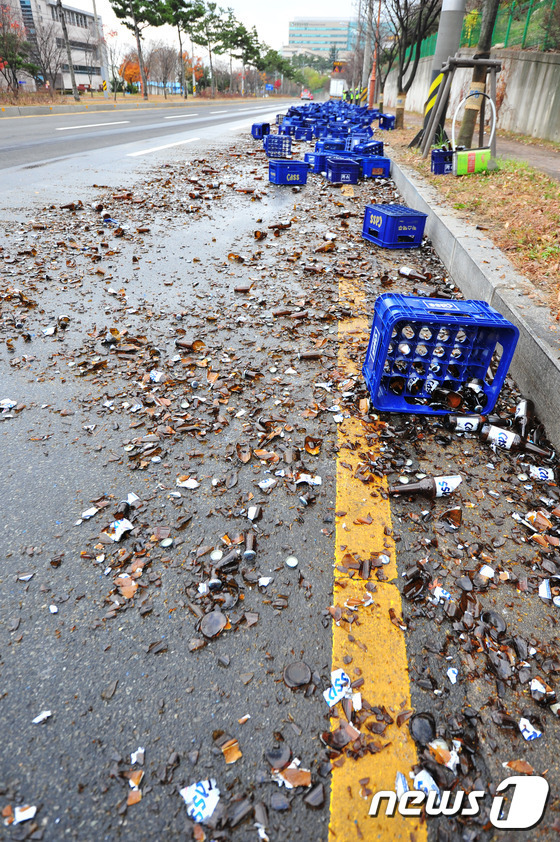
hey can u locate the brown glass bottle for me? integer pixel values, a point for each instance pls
(507, 440)
(524, 415)
(429, 486)
(470, 423)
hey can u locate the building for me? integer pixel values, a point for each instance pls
(324, 37)
(41, 19)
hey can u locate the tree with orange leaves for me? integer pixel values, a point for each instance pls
(14, 50)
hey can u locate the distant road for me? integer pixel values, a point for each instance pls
(31, 141)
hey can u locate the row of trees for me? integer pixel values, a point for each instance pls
(44, 53)
(206, 24)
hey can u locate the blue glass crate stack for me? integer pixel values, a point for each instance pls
(421, 350)
(344, 149)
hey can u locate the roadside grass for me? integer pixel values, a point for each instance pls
(517, 206)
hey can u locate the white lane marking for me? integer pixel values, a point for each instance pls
(180, 116)
(158, 148)
(92, 125)
(219, 112)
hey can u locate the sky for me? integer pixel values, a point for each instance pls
(272, 28)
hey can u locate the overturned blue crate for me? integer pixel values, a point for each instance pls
(342, 170)
(280, 119)
(416, 344)
(371, 147)
(376, 166)
(259, 130)
(303, 133)
(330, 144)
(442, 161)
(277, 146)
(317, 161)
(386, 121)
(393, 226)
(287, 172)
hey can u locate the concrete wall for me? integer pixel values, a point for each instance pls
(528, 91)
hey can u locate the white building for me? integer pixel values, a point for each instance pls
(41, 19)
(323, 37)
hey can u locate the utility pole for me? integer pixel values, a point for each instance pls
(367, 45)
(372, 80)
(447, 45)
(101, 43)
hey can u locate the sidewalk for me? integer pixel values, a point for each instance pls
(541, 157)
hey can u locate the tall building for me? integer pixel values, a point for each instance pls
(322, 37)
(41, 19)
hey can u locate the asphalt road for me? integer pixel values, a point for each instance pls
(34, 139)
(143, 252)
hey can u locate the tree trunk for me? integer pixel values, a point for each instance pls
(211, 72)
(68, 51)
(399, 110)
(230, 74)
(140, 58)
(182, 63)
(489, 14)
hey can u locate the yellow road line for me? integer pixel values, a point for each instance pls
(378, 650)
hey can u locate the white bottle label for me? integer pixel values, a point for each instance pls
(467, 425)
(446, 485)
(501, 438)
(541, 474)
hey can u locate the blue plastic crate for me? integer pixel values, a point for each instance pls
(393, 226)
(372, 147)
(277, 146)
(317, 161)
(303, 133)
(287, 172)
(418, 343)
(442, 161)
(376, 166)
(330, 144)
(259, 130)
(386, 121)
(343, 170)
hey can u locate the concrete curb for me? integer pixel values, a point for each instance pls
(85, 107)
(483, 272)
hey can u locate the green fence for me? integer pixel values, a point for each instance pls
(524, 25)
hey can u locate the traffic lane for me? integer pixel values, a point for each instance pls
(171, 697)
(45, 125)
(17, 152)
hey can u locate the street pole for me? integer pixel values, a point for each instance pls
(367, 45)
(101, 43)
(371, 92)
(447, 45)
(192, 68)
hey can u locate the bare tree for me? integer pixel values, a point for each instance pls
(411, 21)
(163, 64)
(113, 48)
(49, 51)
(62, 19)
(91, 55)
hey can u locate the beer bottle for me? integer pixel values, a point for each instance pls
(429, 486)
(524, 415)
(407, 272)
(470, 423)
(508, 440)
